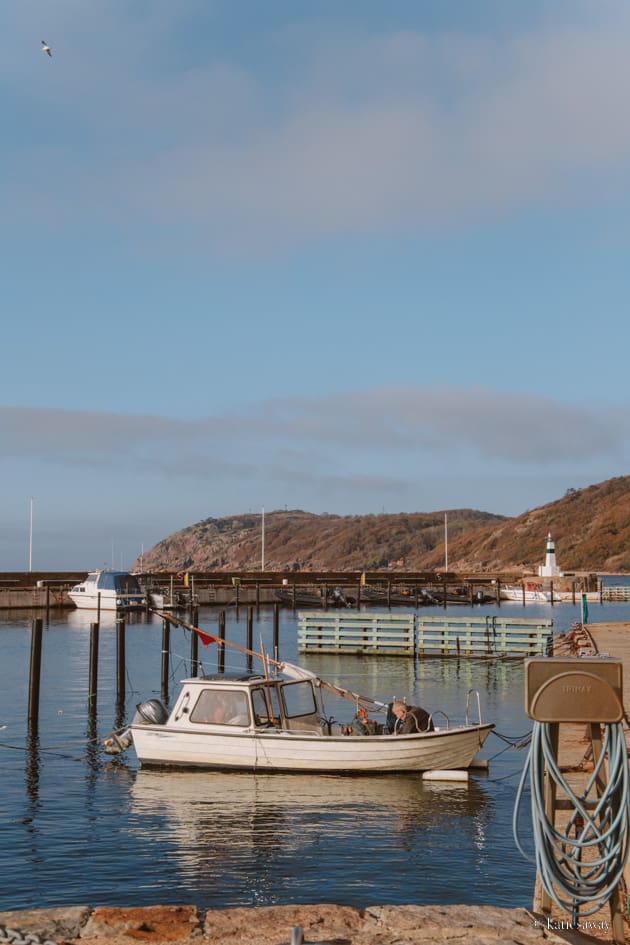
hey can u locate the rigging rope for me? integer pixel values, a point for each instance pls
(586, 868)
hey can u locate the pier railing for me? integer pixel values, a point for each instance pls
(416, 635)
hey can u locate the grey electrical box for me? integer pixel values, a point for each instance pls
(574, 689)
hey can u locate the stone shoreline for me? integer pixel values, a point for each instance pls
(273, 925)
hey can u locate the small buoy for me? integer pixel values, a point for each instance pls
(456, 775)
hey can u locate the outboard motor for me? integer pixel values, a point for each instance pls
(151, 712)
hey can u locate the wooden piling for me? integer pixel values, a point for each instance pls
(37, 627)
(250, 636)
(276, 625)
(194, 653)
(120, 660)
(93, 674)
(221, 653)
(166, 646)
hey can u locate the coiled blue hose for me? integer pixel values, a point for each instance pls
(584, 868)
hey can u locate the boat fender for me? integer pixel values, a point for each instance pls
(151, 712)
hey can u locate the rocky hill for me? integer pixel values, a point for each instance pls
(591, 528)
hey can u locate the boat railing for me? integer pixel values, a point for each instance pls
(432, 718)
(474, 694)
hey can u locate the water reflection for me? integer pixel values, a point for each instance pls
(258, 827)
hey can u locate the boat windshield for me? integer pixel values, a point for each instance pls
(221, 707)
(298, 699)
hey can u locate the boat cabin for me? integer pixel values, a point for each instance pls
(249, 702)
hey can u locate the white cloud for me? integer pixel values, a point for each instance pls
(330, 436)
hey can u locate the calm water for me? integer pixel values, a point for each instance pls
(81, 827)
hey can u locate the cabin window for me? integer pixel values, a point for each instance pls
(265, 703)
(221, 707)
(299, 699)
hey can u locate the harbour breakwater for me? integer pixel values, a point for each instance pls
(325, 589)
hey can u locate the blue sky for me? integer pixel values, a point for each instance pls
(340, 257)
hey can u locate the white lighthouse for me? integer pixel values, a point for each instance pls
(550, 568)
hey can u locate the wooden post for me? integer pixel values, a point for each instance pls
(551, 588)
(257, 594)
(324, 593)
(276, 624)
(120, 660)
(47, 603)
(523, 590)
(498, 586)
(358, 595)
(166, 645)
(250, 636)
(616, 913)
(573, 591)
(237, 598)
(389, 593)
(221, 653)
(37, 627)
(194, 653)
(93, 676)
(445, 592)
(550, 805)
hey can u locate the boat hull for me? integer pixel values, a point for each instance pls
(446, 749)
(114, 602)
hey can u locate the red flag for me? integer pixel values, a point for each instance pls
(206, 638)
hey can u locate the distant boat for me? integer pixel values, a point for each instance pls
(531, 592)
(108, 590)
(554, 588)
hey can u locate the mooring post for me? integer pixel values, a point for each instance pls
(293, 596)
(166, 646)
(221, 653)
(120, 660)
(93, 675)
(359, 595)
(35, 673)
(250, 635)
(276, 624)
(194, 653)
(324, 594)
(389, 593)
(47, 603)
(257, 594)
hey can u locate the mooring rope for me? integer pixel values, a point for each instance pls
(15, 937)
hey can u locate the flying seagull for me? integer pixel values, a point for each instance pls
(46, 48)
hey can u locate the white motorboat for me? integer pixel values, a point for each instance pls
(279, 723)
(108, 590)
(530, 592)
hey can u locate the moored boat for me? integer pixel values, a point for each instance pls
(279, 723)
(108, 590)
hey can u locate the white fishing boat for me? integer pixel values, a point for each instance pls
(279, 723)
(529, 592)
(108, 590)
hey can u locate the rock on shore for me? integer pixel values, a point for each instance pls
(272, 925)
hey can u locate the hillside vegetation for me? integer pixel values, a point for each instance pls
(591, 529)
